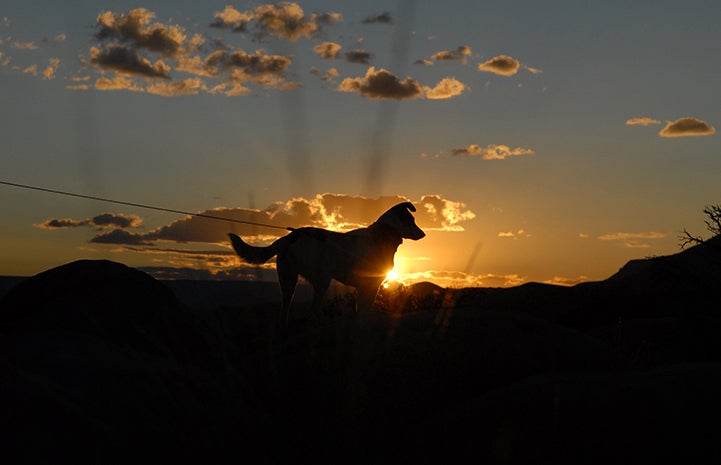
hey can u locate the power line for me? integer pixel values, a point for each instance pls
(139, 205)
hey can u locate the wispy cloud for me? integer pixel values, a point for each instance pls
(633, 240)
(24, 45)
(492, 151)
(49, 71)
(686, 127)
(642, 121)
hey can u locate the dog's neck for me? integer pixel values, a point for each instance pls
(386, 233)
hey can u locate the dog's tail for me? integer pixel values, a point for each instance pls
(256, 255)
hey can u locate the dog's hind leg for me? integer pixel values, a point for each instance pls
(320, 287)
(287, 278)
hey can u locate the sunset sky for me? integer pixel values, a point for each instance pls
(540, 141)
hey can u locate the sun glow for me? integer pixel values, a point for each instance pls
(391, 276)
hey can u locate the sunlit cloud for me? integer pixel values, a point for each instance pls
(118, 83)
(62, 37)
(459, 279)
(24, 45)
(459, 54)
(336, 212)
(492, 151)
(532, 70)
(631, 240)
(563, 281)
(327, 50)
(135, 28)
(382, 18)
(643, 121)
(502, 65)
(382, 84)
(49, 71)
(513, 235)
(446, 88)
(685, 127)
(285, 20)
(32, 69)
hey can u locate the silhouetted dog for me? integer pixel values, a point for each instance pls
(360, 258)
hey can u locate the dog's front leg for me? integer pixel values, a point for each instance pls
(367, 290)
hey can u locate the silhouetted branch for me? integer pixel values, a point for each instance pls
(687, 238)
(713, 223)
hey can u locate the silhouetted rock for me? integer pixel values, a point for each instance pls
(100, 362)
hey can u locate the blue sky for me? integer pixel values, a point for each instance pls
(527, 133)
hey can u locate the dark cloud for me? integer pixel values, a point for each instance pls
(59, 223)
(459, 54)
(136, 29)
(125, 60)
(121, 236)
(102, 221)
(358, 56)
(503, 65)
(382, 85)
(383, 18)
(685, 127)
(285, 20)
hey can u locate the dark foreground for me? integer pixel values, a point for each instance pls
(102, 363)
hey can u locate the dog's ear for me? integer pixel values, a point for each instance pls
(406, 205)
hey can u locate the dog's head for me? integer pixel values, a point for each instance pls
(401, 219)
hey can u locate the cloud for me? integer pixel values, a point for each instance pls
(460, 279)
(423, 62)
(383, 18)
(381, 85)
(62, 37)
(643, 121)
(49, 72)
(24, 45)
(492, 151)
(446, 88)
(630, 239)
(358, 56)
(502, 65)
(120, 236)
(32, 69)
(562, 281)
(459, 54)
(118, 83)
(136, 29)
(327, 50)
(190, 86)
(102, 221)
(532, 70)
(513, 235)
(685, 127)
(230, 18)
(336, 212)
(126, 61)
(285, 20)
